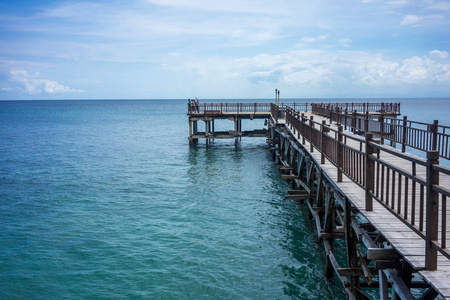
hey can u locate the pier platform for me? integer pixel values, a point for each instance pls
(352, 171)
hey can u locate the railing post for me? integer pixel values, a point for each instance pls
(345, 118)
(366, 122)
(311, 126)
(369, 172)
(405, 132)
(322, 142)
(340, 154)
(353, 120)
(303, 129)
(432, 211)
(434, 132)
(381, 121)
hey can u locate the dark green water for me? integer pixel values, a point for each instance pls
(105, 199)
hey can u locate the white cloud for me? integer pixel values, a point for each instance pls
(443, 6)
(36, 84)
(415, 20)
(411, 71)
(411, 20)
(394, 4)
(314, 39)
(234, 6)
(438, 54)
(344, 42)
(398, 3)
(312, 69)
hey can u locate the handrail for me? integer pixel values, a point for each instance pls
(382, 181)
(221, 108)
(418, 135)
(383, 107)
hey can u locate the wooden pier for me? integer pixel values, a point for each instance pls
(388, 206)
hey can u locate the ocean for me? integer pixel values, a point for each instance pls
(106, 199)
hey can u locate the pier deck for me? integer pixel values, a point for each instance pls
(407, 242)
(359, 189)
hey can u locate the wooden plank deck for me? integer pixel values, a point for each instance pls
(401, 237)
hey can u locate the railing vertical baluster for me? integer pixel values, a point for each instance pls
(381, 121)
(340, 154)
(322, 142)
(404, 137)
(311, 126)
(369, 171)
(444, 222)
(303, 129)
(353, 126)
(366, 122)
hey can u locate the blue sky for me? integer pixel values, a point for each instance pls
(176, 49)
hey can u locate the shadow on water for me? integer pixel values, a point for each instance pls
(271, 237)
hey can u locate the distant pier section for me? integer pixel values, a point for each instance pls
(236, 112)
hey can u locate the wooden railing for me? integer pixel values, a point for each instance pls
(420, 203)
(237, 108)
(418, 135)
(383, 107)
(203, 108)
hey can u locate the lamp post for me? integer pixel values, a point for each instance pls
(276, 99)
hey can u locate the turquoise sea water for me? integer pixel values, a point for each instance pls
(106, 199)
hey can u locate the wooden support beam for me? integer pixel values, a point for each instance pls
(430, 294)
(382, 253)
(334, 262)
(336, 235)
(350, 272)
(351, 244)
(297, 197)
(285, 168)
(297, 192)
(364, 266)
(381, 264)
(291, 177)
(272, 141)
(301, 184)
(399, 285)
(329, 226)
(361, 296)
(383, 285)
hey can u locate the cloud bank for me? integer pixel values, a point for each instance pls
(176, 48)
(34, 84)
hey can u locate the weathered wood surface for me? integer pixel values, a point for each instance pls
(401, 237)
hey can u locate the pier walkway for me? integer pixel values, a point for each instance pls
(389, 206)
